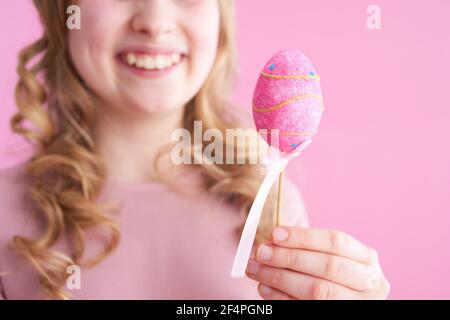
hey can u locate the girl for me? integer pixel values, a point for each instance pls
(100, 210)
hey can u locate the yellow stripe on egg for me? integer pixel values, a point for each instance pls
(300, 134)
(316, 96)
(290, 76)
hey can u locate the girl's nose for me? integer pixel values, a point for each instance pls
(153, 17)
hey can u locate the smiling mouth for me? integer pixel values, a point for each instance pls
(151, 62)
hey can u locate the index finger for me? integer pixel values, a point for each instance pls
(324, 240)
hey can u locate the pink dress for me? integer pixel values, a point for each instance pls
(172, 246)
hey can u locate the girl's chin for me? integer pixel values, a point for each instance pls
(155, 108)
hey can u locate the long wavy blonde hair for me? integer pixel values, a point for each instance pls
(66, 172)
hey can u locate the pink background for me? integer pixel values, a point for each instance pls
(380, 166)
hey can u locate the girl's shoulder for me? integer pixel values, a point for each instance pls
(13, 183)
(12, 172)
(14, 206)
(15, 218)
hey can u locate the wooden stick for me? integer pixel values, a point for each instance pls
(280, 198)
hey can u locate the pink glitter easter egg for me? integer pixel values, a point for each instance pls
(287, 97)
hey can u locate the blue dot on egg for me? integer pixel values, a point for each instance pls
(312, 73)
(295, 145)
(272, 66)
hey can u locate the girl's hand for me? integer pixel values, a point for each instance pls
(303, 263)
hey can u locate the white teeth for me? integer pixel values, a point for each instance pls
(175, 58)
(149, 63)
(152, 62)
(140, 63)
(131, 59)
(168, 62)
(160, 62)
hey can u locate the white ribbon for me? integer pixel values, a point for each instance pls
(275, 165)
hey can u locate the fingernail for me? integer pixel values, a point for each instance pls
(253, 267)
(280, 234)
(265, 252)
(266, 289)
